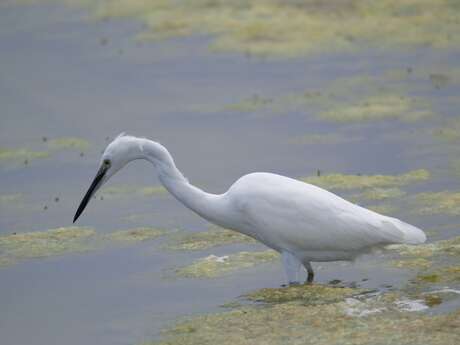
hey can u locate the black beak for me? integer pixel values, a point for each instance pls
(94, 185)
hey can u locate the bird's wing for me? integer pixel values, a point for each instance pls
(298, 215)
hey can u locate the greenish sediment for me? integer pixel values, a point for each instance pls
(213, 266)
(343, 181)
(207, 239)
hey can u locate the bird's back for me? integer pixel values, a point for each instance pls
(288, 214)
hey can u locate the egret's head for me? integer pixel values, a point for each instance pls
(118, 153)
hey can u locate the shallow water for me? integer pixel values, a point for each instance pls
(63, 76)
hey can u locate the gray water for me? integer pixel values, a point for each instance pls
(58, 80)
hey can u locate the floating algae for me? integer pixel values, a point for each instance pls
(121, 191)
(279, 28)
(353, 322)
(135, 235)
(450, 132)
(68, 143)
(447, 274)
(380, 193)
(213, 266)
(342, 181)
(21, 154)
(307, 294)
(378, 108)
(207, 239)
(8, 199)
(414, 263)
(250, 104)
(39, 244)
(324, 139)
(450, 247)
(383, 208)
(17, 247)
(438, 203)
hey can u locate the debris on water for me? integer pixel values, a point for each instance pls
(45, 207)
(44, 139)
(56, 199)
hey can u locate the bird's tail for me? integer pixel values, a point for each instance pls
(409, 234)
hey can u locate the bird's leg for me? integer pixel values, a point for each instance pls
(292, 267)
(310, 272)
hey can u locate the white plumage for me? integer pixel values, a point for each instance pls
(301, 221)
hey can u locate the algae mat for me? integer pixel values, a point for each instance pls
(290, 28)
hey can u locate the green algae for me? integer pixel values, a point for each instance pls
(39, 244)
(446, 274)
(379, 107)
(66, 240)
(383, 208)
(324, 139)
(121, 191)
(415, 263)
(213, 266)
(381, 193)
(442, 247)
(450, 132)
(68, 143)
(136, 235)
(294, 323)
(207, 239)
(343, 181)
(250, 104)
(307, 294)
(21, 154)
(438, 203)
(291, 28)
(9, 199)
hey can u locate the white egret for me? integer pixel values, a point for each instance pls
(303, 222)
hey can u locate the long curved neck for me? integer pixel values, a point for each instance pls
(209, 206)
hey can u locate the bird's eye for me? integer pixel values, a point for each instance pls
(107, 163)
